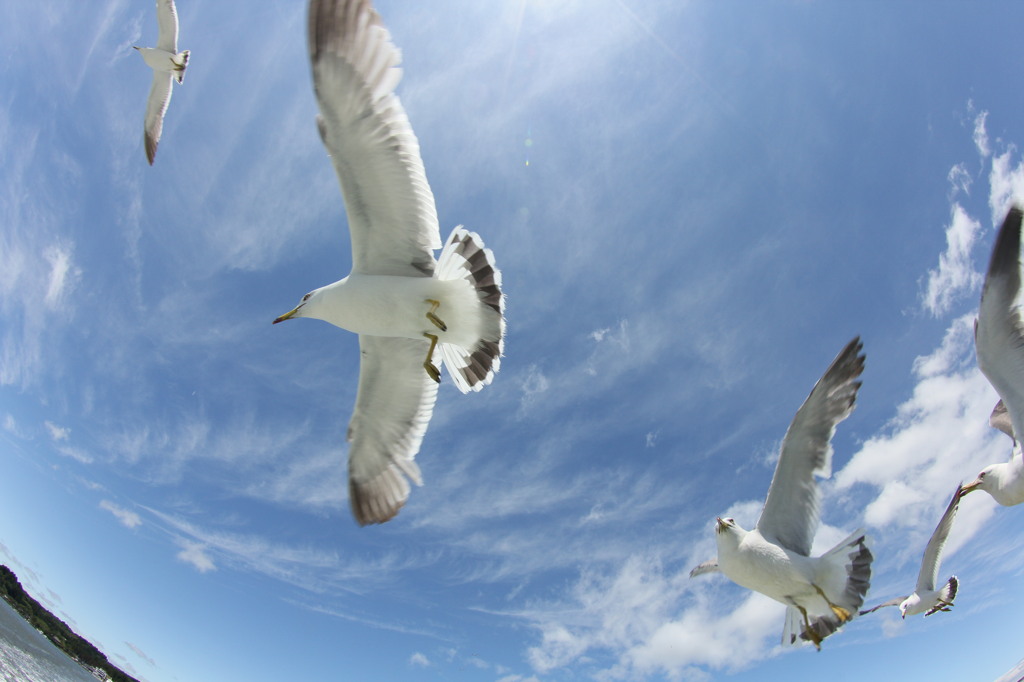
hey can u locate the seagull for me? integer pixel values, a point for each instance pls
(406, 307)
(926, 599)
(167, 63)
(999, 343)
(775, 557)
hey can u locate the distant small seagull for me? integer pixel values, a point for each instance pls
(999, 342)
(926, 599)
(167, 63)
(775, 559)
(406, 307)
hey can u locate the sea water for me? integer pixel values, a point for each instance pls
(26, 655)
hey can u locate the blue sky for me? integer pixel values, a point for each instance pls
(694, 206)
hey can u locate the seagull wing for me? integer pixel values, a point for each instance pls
(790, 514)
(892, 602)
(929, 575)
(159, 97)
(1000, 419)
(999, 330)
(706, 567)
(167, 18)
(392, 219)
(393, 408)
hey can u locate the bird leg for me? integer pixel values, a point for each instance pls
(941, 606)
(428, 365)
(434, 318)
(842, 614)
(809, 632)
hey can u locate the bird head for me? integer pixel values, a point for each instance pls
(980, 483)
(723, 525)
(728, 536)
(298, 311)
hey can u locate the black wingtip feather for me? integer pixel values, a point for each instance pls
(1006, 250)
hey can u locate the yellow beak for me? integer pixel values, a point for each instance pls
(287, 316)
(970, 487)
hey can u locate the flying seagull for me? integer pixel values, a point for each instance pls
(999, 342)
(407, 308)
(167, 63)
(926, 599)
(821, 593)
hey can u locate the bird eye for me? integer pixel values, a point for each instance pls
(306, 297)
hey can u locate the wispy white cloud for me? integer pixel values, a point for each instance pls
(419, 660)
(60, 436)
(708, 636)
(653, 620)
(37, 267)
(63, 274)
(1007, 183)
(940, 435)
(140, 653)
(960, 180)
(195, 554)
(126, 517)
(980, 135)
(374, 620)
(75, 453)
(955, 276)
(312, 568)
(57, 433)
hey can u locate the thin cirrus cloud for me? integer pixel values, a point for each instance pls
(60, 436)
(63, 274)
(38, 272)
(57, 433)
(316, 570)
(196, 555)
(126, 517)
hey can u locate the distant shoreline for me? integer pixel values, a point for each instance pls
(57, 631)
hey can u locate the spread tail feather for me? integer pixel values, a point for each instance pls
(858, 571)
(946, 596)
(949, 591)
(465, 257)
(180, 61)
(849, 563)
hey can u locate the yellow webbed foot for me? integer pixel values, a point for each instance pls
(437, 321)
(432, 371)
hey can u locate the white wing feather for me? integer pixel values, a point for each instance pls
(391, 214)
(999, 330)
(156, 107)
(710, 566)
(790, 515)
(895, 601)
(167, 18)
(929, 575)
(393, 408)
